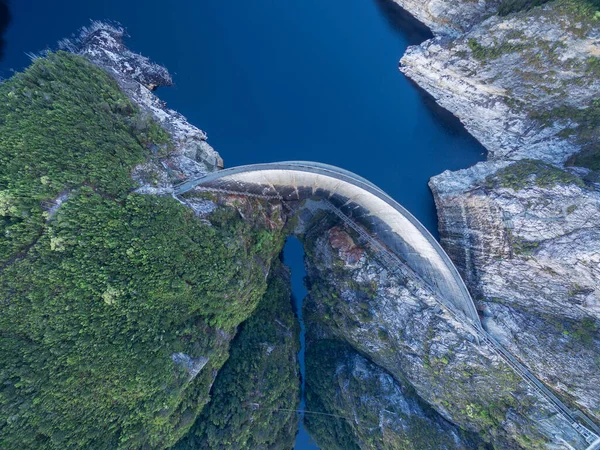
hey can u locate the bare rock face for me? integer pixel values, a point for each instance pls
(449, 17)
(518, 83)
(343, 243)
(403, 329)
(102, 43)
(563, 353)
(527, 240)
(190, 156)
(192, 366)
(522, 228)
(526, 234)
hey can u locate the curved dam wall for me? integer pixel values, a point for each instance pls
(365, 204)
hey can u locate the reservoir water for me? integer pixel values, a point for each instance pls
(273, 80)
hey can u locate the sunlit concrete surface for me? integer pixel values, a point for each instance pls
(361, 201)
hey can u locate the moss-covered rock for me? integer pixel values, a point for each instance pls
(368, 408)
(402, 329)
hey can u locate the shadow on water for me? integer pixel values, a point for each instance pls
(449, 122)
(399, 20)
(415, 32)
(5, 18)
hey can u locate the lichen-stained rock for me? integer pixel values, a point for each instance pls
(525, 85)
(369, 408)
(103, 44)
(526, 238)
(449, 17)
(526, 235)
(189, 155)
(403, 329)
(343, 243)
(563, 353)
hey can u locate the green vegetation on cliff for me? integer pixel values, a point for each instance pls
(586, 131)
(400, 335)
(98, 296)
(483, 53)
(527, 172)
(259, 378)
(512, 6)
(374, 411)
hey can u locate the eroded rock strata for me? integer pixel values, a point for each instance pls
(526, 238)
(524, 85)
(449, 18)
(523, 227)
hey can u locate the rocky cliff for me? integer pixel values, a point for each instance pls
(449, 18)
(526, 238)
(353, 298)
(523, 227)
(524, 85)
(371, 409)
(190, 155)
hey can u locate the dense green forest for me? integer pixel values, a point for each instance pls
(98, 295)
(258, 380)
(64, 124)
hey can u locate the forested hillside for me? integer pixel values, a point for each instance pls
(117, 308)
(255, 393)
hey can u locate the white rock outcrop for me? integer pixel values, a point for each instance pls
(191, 156)
(509, 77)
(449, 17)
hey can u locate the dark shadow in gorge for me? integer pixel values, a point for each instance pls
(415, 32)
(399, 20)
(5, 19)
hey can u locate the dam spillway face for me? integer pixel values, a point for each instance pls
(402, 236)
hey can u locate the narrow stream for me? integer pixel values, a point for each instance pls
(293, 257)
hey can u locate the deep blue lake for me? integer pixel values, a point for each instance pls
(273, 80)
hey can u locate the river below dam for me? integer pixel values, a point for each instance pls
(273, 80)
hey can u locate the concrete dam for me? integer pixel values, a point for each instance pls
(362, 202)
